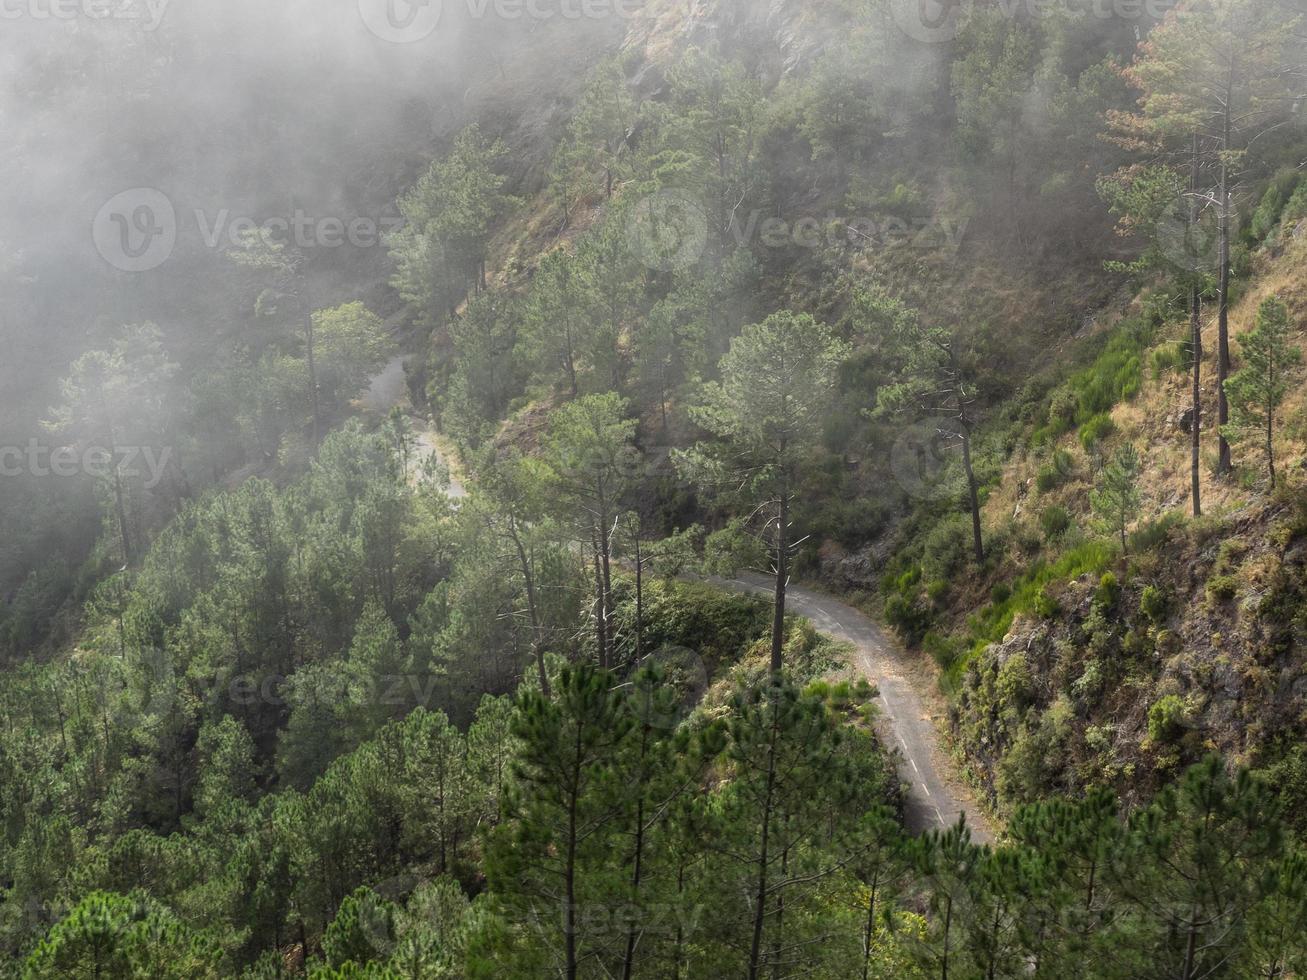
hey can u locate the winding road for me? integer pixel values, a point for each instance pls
(908, 708)
(909, 702)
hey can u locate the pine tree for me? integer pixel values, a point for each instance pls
(935, 379)
(1257, 390)
(590, 461)
(547, 863)
(768, 412)
(1116, 499)
(1220, 70)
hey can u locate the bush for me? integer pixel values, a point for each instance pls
(1055, 521)
(947, 548)
(1063, 408)
(906, 616)
(1096, 430)
(1156, 533)
(1283, 189)
(1014, 686)
(1045, 605)
(943, 651)
(1153, 604)
(1056, 472)
(1297, 207)
(1000, 593)
(1222, 588)
(1166, 719)
(1172, 358)
(1108, 591)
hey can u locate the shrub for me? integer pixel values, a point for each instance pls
(1055, 472)
(1166, 719)
(1000, 593)
(1283, 189)
(946, 548)
(907, 617)
(1096, 430)
(1153, 604)
(1155, 533)
(1055, 521)
(1045, 605)
(1222, 588)
(1014, 684)
(1108, 591)
(1063, 408)
(1296, 210)
(943, 651)
(1172, 358)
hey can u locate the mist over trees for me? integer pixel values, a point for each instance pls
(420, 435)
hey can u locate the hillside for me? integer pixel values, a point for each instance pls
(802, 489)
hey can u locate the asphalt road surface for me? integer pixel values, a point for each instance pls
(935, 798)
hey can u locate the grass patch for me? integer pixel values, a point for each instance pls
(992, 623)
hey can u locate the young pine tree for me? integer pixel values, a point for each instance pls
(1116, 499)
(1257, 390)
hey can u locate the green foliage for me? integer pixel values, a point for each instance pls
(1116, 500)
(1097, 429)
(440, 253)
(1258, 389)
(1045, 605)
(1108, 592)
(1054, 521)
(1166, 719)
(947, 548)
(363, 929)
(1222, 588)
(1155, 604)
(1172, 358)
(1266, 216)
(1055, 472)
(116, 936)
(1155, 533)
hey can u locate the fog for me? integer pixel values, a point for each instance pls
(139, 137)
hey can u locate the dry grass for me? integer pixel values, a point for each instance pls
(1150, 421)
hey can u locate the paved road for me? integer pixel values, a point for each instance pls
(934, 799)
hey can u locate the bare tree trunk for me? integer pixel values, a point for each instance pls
(973, 496)
(606, 581)
(533, 609)
(782, 579)
(1270, 443)
(569, 877)
(639, 600)
(869, 930)
(601, 618)
(120, 509)
(628, 960)
(1196, 340)
(760, 895)
(1223, 330)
